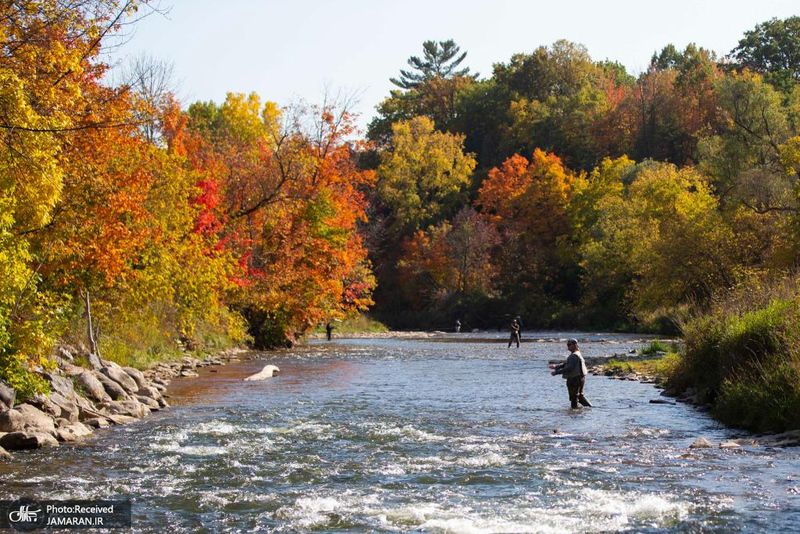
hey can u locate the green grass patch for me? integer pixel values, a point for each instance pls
(658, 367)
(657, 346)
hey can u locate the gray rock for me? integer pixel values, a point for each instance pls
(61, 384)
(137, 375)
(93, 387)
(97, 422)
(150, 403)
(74, 432)
(701, 443)
(114, 390)
(150, 392)
(730, 445)
(70, 370)
(27, 418)
(86, 410)
(45, 405)
(784, 439)
(95, 362)
(4, 454)
(69, 409)
(131, 408)
(7, 396)
(20, 441)
(118, 375)
(122, 419)
(65, 352)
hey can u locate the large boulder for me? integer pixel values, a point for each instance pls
(150, 403)
(7, 396)
(69, 369)
(61, 384)
(69, 408)
(97, 422)
(93, 387)
(19, 441)
(118, 375)
(73, 432)
(44, 404)
(95, 362)
(150, 392)
(27, 418)
(137, 375)
(131, 408)
(114, 390)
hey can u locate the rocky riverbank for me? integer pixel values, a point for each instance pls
(599, 366)
(83, 399)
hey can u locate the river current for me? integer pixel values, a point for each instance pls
(448, 434)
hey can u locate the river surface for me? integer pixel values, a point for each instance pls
(455, 434)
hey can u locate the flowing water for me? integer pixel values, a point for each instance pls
(425, 435)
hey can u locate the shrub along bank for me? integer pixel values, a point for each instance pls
(743, 357)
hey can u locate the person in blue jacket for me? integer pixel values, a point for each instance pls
(574, 370)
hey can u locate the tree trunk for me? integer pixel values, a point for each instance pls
(90, 330)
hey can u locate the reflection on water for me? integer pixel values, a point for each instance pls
(421, 435)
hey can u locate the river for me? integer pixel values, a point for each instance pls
(448, 434)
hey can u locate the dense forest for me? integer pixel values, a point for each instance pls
(557, 188)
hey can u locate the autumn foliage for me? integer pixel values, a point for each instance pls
(168, 225)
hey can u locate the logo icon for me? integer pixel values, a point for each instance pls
(25, 515)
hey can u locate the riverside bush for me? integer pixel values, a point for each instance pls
(744, 358)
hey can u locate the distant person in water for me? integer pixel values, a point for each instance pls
(574, 370)
(458, 326)
(329, 329)
(514, 333)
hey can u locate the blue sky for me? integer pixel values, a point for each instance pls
(288, 50)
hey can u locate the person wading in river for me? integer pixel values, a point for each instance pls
(574, 370)
(514, 333)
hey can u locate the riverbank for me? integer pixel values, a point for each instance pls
(649, 369)
(83, 399)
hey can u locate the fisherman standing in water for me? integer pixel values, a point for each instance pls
(514, 333)
(574, 370)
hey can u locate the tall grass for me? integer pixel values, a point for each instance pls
(743, 357)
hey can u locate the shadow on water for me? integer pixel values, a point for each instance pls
(392, 435)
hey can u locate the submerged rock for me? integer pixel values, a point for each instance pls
(730, 445)
(701, 443)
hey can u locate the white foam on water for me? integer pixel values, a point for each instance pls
(316, 510)
(190, 450)
(406, 431)
(610, 509)
(319, 431)
(216, 428)
(491, 459)
(483, 447)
